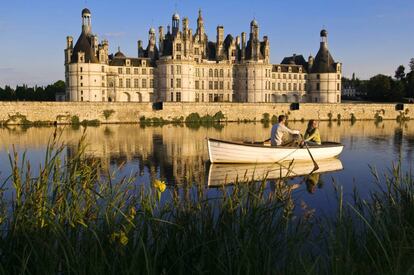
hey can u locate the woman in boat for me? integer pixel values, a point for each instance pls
(312, 136)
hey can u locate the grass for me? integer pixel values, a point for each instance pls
(73, 218)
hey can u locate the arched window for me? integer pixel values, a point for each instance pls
(216, 73)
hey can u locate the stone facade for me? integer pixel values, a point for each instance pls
(187, 67)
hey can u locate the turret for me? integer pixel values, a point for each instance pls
(175, 23)
(200, 26)
(86, 21)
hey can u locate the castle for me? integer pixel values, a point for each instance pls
(186, 67)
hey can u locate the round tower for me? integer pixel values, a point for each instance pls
(324, 79)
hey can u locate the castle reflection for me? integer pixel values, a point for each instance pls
(179, 154)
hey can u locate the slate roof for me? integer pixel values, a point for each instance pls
(324, 63)
(84, 45)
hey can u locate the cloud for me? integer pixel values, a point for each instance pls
(114, 34)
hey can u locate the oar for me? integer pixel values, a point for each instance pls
(316, 167)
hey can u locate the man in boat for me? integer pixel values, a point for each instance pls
(312, 136)
(278, 130)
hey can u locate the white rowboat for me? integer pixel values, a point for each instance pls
(222, 174)
(221, 151)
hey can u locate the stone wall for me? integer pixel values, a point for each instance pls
(128, 112)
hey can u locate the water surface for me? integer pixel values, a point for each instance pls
(178, 154)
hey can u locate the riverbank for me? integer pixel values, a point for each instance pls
(46, 113)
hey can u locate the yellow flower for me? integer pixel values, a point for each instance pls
(121, 237)
(160, 185)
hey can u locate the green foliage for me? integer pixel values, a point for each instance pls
(353, 118)
(107, 113)
(384, 88)
(94, 122)
(274, 119)
(75, 120)
(265, 118)
(25, 93)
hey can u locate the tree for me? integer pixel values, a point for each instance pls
(400, 72)
(383, 88)
(411, 64)
(409, 91)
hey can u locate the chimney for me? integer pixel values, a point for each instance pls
(243, 45)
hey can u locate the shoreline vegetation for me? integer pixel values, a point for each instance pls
(72, 218)
(193, 120)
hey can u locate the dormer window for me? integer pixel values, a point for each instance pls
(279, 69)
(128, 62)
(290, 69)
(144, 63)
(178, 47)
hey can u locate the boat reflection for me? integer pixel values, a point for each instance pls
(227, 174)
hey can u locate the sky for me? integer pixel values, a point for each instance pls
(369, 37)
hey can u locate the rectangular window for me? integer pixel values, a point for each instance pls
(337, 86)
(197, 97)
(128, 70)
(81, 69)
(202, 97)
(210, 85)
(121, 83)
(178, 47)
(144, 71)
(178, 57)
(172, 69)
(318, 76)
(284, 76)
(135, 83)
(278, 86)
(197, 84)
(144, 83)
(221, 85)
(178, 96)
(178, 69)
(318, 87)
(215, 85)
(172, 96)
(300, 86)
(273, 86)
(103, 69)
(152, 83)
(295, 86)
(284, 86)
(178, 81)
(81, 77)
(196, 51)
(290, 86)
(128, 83)
(136, 71)
(119, 70)
(210, 97)
(172, 83)
(202, 85)
(295, 76)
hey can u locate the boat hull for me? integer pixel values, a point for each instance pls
(221, 151)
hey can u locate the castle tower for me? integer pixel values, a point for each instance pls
(175, 24)
(151, 43)
(324, 75)
(219, 41)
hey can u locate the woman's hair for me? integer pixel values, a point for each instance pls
(310, 130)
